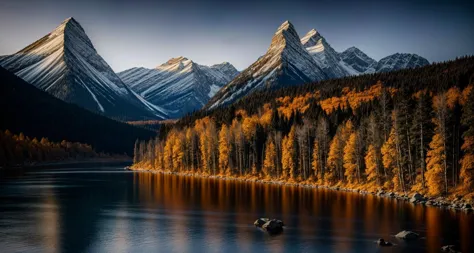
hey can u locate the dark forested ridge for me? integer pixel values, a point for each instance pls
(405, 131)
(27, 109)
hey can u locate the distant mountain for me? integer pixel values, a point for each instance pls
(285, 63)
(400, 61)
(180, 85)
(65, 64)
(24, 108)
(325, 56)
(358, 60)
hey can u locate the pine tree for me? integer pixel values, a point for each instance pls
(436, 160)
(136, 157)
(467, 162)
(316, 162)
(288, 163)
(270, 157)
(350, 158)
(389, 159)
(371, 166)
(224, 149)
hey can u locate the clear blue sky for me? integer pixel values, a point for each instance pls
(148, 33)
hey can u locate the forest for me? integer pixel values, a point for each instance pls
(405, 131)
(29, 110)
(18, 149)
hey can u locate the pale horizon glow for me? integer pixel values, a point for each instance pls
(142, 34)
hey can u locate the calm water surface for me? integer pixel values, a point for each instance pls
(107, 209)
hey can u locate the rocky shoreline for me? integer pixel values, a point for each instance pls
(457, 204)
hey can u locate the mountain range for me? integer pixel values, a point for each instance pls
(294, 61)
(65, 64)
(180, 85)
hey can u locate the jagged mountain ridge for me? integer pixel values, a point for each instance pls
(286, 62)
(65, 64)
(400, 61)
(179, 85)
(358, 60)
(325, 56)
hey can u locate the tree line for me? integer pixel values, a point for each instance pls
(18, 149)
(379, 137)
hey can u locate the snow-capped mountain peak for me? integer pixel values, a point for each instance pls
(286, 62)
(311, 38)
(325, 56)
(66, 64)
(358, 60)
(179, 85)
(400, 61)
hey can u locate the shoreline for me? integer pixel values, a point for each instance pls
(416, 199)
(50, 164)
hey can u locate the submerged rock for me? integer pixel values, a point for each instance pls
(407, 235)
(383, 243)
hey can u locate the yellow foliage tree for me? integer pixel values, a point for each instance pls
(178, 152)
(269, 161)
(434, 166)
(224, 149)
(350, 159)
(389, 160)
(335, 157)
(467, 164)
(316, 162)
(371, 166)
(287, 159)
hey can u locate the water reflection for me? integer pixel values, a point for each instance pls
(336, 221)
(107, 211)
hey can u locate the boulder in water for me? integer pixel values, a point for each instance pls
(407, 235)
(260, 221)
(273, 226)
(450, 249)
(383, 243)
(416, 198)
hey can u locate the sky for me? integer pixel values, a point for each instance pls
(143, 33)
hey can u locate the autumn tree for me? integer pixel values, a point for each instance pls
(288, 149)
(224, 149)
(335, 160)
(316, 161)
(437, 165)
(270, 158)
(322, 137)
(467, 161)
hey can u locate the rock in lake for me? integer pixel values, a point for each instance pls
(416, 198)
(449, 248)
(407, 235)
(382, 242)
(273, 226)
(260, 221)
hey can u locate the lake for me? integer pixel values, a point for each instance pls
(106, 209)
